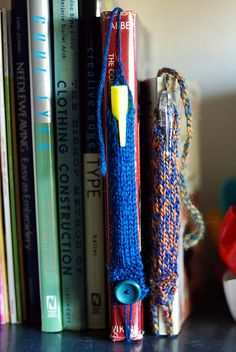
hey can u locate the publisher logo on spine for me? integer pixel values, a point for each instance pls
(51, 302)
(96, 302)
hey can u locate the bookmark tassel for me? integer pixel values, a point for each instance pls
(117, 11)
(126, 267)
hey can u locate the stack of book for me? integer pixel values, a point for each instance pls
(55, 232)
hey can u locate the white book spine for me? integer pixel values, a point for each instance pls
(6, 195)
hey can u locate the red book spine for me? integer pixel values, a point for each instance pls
(128, 47)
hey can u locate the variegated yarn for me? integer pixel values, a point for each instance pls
(168, 192)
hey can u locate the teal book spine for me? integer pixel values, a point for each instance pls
(44, 164)
(69, 172)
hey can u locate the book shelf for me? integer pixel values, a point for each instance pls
(208, 329)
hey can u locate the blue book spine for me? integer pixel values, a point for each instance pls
(25, 156)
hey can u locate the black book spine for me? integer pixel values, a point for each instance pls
(25, 155)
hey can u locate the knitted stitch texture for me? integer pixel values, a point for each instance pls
(126, 262)
(169, 188)
(165, 222)
(190, 239)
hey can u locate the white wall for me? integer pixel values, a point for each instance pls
(198, 38)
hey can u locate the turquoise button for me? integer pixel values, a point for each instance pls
(127, 292)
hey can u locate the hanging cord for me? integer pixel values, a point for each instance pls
(126, 262)
(169, 188)
(117, 11)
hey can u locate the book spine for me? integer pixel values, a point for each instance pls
(2, 306)
(128, 29)
(4, 309)
(25, 157)
(5, 186)
(17, 274)
(93, 183)
(44, 163)
(69, 171)
(16, 169)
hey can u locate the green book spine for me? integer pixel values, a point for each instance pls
(11, 167)
(66, 64)
(44, 164)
